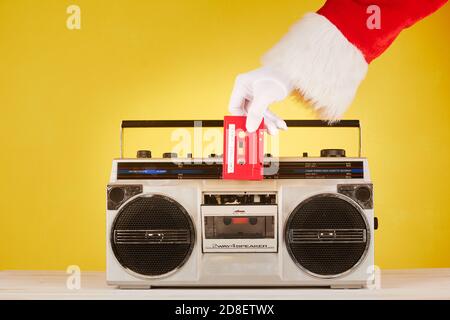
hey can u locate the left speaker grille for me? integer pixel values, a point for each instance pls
(152, 235)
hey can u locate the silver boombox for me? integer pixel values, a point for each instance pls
(177, 223)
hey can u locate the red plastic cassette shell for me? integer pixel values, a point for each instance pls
(243, 152)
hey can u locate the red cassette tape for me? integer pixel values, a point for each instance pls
(243, 152)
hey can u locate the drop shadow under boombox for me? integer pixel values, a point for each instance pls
(177, 223)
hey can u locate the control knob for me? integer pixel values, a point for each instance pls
(169, 155)
(144, 154)
(332, 153)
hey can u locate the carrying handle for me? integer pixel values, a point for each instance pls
(219, 123)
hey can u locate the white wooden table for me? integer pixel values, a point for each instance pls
(395, 284)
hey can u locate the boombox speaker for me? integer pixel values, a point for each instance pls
(327, 235)
(152, 235)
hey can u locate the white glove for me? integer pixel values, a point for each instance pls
(252, 95)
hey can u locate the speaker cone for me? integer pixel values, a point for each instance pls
(327, 235)
(152, 235)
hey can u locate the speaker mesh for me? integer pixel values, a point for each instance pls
(327, 235)
(152, 235)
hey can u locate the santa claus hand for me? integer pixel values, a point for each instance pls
(252, 95)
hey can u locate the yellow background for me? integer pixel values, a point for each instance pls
(63, 94)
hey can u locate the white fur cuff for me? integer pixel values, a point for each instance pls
(321, 63)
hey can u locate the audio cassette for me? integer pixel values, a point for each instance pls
(243, 151)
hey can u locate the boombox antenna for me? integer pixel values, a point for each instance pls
(219, 123)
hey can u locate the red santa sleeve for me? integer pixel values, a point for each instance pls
(326, 54)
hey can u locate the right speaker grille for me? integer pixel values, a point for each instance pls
(327, 235)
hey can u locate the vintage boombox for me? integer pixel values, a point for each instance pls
(174, 222)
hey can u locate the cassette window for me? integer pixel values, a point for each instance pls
(236, 227)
